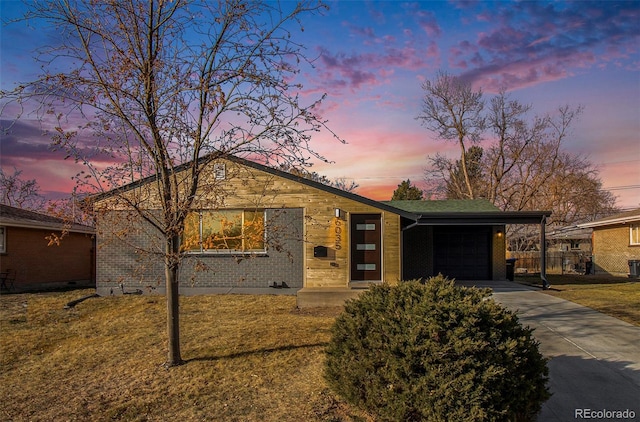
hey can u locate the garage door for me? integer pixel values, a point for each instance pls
(463, 253)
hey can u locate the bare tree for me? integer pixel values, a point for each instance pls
(524, 165)
(340, 183)
(167, 88)
(20, 193)
(453, 111)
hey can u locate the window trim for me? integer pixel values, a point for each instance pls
(229, 252)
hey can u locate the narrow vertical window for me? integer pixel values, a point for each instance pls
(634, 234)
(3, 240)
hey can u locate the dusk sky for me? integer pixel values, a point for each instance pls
(371, 60)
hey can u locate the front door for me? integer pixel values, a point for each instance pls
(366, 242)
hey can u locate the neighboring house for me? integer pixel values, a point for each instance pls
(570, 239)
(616, 241)
(257, 228)
(569, 250)
(33, 261)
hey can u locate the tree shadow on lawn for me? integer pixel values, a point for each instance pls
(263, 351)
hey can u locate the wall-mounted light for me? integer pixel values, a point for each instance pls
(339, 213)
(499, 233)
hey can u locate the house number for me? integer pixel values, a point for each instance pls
(338, 232)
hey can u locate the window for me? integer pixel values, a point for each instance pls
(3, 240)
(224, 231)
(634, 234)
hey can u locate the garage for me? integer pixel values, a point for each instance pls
(462, 252)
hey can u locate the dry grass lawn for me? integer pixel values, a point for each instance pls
(249, 358)
(615, 296)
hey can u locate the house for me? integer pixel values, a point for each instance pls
(261, 230)
(616, 241)
(29, 261)
(569, 250)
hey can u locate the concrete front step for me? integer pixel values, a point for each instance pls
(324, 297)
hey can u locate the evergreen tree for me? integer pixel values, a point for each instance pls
(407, 191)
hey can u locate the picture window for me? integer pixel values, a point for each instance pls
(224, 231)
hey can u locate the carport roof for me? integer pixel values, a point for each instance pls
(449, 205)
(465, 212)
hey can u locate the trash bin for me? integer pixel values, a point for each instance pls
(634, 268)
(588, 266)
(511, 267)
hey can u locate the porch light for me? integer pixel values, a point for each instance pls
(339, 213)
(499, 233)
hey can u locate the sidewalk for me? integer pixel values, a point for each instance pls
(594, 359)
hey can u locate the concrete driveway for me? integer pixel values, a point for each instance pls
(594, 366)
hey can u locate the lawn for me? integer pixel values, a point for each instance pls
(248, 358)
(615, 296)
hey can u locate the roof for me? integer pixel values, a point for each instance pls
(422, 212)
(18, 217)
(622, 218)
(571, 232)
(466, 212)
(270, 170)
(449, 205)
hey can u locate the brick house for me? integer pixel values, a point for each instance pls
(26, 253)
(615, 241)
(262, 230)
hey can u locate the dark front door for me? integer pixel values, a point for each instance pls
(462, 252)
(366, 241)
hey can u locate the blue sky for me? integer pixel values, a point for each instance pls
(372, 57)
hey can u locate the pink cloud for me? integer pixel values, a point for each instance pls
(427, 21)
(341, 71)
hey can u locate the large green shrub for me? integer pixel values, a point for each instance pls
(435, 352)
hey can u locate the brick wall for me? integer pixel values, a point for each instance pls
(134, 257)
(36, 263)
(611, 250)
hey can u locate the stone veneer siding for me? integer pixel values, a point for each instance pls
(127, 261)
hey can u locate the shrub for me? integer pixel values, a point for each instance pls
(435, 352)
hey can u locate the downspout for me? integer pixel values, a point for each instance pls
(543, 253)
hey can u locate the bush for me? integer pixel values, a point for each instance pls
(435, 352)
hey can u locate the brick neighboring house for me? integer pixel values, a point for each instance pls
(25, 251)
(256, 227)
(615, 241)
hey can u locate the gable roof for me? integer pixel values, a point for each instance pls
(17, 217)
(622, 218)
(421, 212)
(270, 170)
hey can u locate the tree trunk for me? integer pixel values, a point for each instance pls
(173, 304)
(463, 159)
